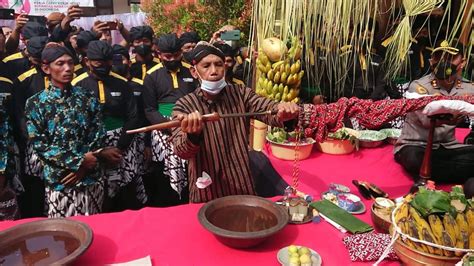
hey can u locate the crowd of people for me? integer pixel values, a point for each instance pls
(68, 98)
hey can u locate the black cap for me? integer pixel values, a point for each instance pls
(169, 43)
(52, 53)
(204, 49)
(85, 37)
(99, 50)
(225, 48)
(36, 45)
(32, 29)
(189, 37)
(119, 49)
(141, 32)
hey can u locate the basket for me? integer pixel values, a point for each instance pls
(410, 256)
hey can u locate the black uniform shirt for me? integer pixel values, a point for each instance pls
(25, 86)
(163, 86)
(136, 69)
(118, 104)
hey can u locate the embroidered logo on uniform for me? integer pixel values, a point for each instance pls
(188, 79)
(137, 93)
(116, 94)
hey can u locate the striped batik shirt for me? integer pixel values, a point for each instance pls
(222, 150)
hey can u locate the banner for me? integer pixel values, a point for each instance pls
(43, 7)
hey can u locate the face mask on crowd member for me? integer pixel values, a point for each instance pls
(141, 39)
(170, 51)
(209, 68)
(447, 64)
(121, 61)
(99, 58)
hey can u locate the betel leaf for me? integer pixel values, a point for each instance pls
(458, 199)
(427, 202)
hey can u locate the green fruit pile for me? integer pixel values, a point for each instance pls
(280, 80)
(300, 256)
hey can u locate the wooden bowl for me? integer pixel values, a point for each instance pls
(335, 146)
(381, 222)
(45, 242)
(286, 151)
(242, 221)
(409, 256)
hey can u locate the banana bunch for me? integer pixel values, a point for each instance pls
(280, 80)
(443, 230)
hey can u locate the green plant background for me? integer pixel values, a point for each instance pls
(205, 17)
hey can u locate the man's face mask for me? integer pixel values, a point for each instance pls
(172, 65)
(444, 70)
(101, 71)
(143, 49)
(122, 70)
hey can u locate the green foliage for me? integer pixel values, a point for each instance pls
(205, 17)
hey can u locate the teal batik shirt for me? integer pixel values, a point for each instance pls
(6, 138)
(63, 125)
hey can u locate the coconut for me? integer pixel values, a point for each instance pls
(274, 48)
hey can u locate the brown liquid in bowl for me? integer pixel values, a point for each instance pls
(243, 218)
(39, 249)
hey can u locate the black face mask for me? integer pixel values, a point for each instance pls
(229, 73)
(122, 70)
(424, 41)
(188, 56)
(102, 71)
(172, 65)
(143, 50)
(444, 71)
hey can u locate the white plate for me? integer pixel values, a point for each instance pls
(283, 257)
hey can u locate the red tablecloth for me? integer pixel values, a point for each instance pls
(173, 236)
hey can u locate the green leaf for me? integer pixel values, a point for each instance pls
(427, 202)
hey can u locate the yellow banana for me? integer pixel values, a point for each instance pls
(276, 77)
(270, 74)
(470, 220)
(447, 241)
(301, 74)
(285, 90)
(277, 65)
(290, 80)
(436, 227)
(428, 236)
(278, 97)
(295, 100)
(263, 58)
(283, 77)
(462, 224)
(413, 231)
(284, 98)
(471, 241)
(402, 212)
(281, 88)
(462, 242)
(450, 226)
(268, 67)
(287, 68)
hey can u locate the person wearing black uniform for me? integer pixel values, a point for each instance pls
(124, 186)
(189, 40)
(18, 63)
(26, 85)
(229, 54)
(9, 184)
(144, 140)
(164, 84)
(141, 38)
(82, 41)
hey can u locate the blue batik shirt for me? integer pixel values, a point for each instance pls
(6, 138)
(63, 125)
